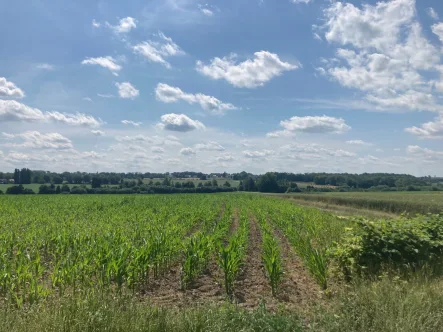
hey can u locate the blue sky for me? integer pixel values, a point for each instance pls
(283, 85)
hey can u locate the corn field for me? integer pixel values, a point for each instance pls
(69, 246)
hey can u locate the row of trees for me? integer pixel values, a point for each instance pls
(22, 176)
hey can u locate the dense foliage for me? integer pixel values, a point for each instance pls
(370, 246)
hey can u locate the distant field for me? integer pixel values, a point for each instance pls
(35, 186)
(220, 181)
(392, 202)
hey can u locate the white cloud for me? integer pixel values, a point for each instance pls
(125, 25)
(251, 73)
(179, 122)
(432, 13)
(358, 142)
(132, 123)
(315, 124)
(438, 30)
(313, 151)
(95, 24)
(45, 66)
(424, 153)
(301, 1)
(210, 146)
(257, 154)
(97, 133)
(12, 111)
(127, 90)
(37, 140)
(383, 54)
(280, 133)
(87, 99)
(170, 94)
(207, 12)
(187, 151)
(432, 129)
(107, 62)
(157, 149)
(225, 158)
(105, 95)
(9, 89)
(157, 51)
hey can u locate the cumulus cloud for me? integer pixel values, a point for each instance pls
(424, 153)
(210, 146)
(280, 133)
(95, 24)
(358, 142)
(107, 62)
(225, 158)
(97, 133)
(432, 13)
(157, 149)
(382, 52)
(170, 94)
(315, 124)
(301, 1)
(257, 154)
(433, 129)
(438, 30)
(251, 73)
(179, 122)
(132, 123)
(9, 89)
(127, 90)
(315, 151)
(37, 140)
(187, 151)
(157, 51)
(12, 111)
(125, 25)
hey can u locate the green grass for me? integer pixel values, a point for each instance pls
(391, 202)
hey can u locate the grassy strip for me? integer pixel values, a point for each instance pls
(376, 203)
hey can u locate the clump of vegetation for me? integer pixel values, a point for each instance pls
(371, 246)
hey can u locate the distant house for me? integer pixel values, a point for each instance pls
(3, 181)
(11, 181)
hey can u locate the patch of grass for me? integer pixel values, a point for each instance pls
(97, 313)
(391, 202)
(388, 305)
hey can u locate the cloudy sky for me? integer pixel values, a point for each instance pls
(255, 85)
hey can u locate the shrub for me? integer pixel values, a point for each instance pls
(400, 243)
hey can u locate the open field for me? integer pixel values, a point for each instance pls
(196, 262)
(220, 181)
(35, 186)
(390, 202)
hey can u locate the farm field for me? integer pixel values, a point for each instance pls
(36, 186)
(215, 262)
(220, 181)
(391, 202)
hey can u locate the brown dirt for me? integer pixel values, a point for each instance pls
(207, 288)
(252, 287)
(298, 287)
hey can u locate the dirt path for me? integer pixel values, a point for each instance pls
(298, 287)
(207, 288)
(252, 287)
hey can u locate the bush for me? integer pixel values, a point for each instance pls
(401, 243)
(19, 190)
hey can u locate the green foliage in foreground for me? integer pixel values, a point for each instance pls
(372, 245)
(124, 314)
(388, 305)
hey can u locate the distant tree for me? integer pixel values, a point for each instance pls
(65, 188)
(200, 185)
(57, 179)
(86, 178)
(16, 176)
(96, 182)
(267, 183)
(46, 178)
(58, 190)
(214, 183)
(177, 185)
(140, 181)
(227, 184)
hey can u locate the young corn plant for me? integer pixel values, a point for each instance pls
(272, 262)
(229, 259)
